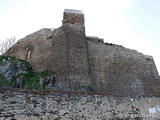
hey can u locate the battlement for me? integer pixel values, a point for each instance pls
(71, 16)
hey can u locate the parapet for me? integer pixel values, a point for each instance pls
(71, 16)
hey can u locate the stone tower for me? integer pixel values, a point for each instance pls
(73, 51)
(73, 17)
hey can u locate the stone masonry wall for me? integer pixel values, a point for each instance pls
(81, 61)
(29, 105)
(73, 17)
(78, 57)
(78, 60)
(40, 47)
(122, 71)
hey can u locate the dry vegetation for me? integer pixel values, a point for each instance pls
(6, 44)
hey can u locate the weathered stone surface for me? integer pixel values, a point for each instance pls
(17, 73)
(122, 71)
(10, 68)
(73, 17)
(79, 60)
(25, 105)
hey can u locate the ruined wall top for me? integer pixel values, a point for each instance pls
(71, 16)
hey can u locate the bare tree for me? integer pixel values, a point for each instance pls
(6, 44)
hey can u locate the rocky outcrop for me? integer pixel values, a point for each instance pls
(17, 73)
(79, 60)
(29, 105)
(11, 67)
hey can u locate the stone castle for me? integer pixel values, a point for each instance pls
(80, 60)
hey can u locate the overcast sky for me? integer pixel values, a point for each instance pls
(134, 24)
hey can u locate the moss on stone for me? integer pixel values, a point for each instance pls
(30, 79)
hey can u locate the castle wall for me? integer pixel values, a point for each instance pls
(79, 61)
(69, 48)
(64, 51)
(121, 71)
(40, 49)
(70, 57)
(82, 61)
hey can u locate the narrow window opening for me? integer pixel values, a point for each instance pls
(28, 53)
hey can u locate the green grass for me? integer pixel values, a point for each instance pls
(9, 58)
(46, 73)
(5, 83)
(32, 80)
(89, 88)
